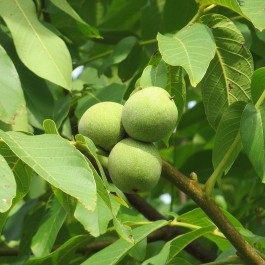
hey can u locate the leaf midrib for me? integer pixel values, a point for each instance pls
(39, 39)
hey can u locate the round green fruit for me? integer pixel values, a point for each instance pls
(134, 166)
(149, 114)
(102, 124)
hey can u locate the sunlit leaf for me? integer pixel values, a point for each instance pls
(232, 4)
(22, 174)
(193, 48)
(254, 10)
(154, 76)
(49, 127)
(7, 185)
(57, 161)
(96, 221)
(39, 49)
(12, 100)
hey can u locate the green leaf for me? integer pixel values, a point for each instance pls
(195, 217)
(130, 66)
(57, 161)
(64, 253)
(12, 100)
(22, 175)
(193, 48)
(7, 185)
(121, 14)
(254, 11)
(30, 221)
(68, 202)
(120, 53)
(231, 4)
(174, 246)
(39, 99)
(39, 49)
(228, 77)
(227, 142)
(87, 144)
(198, 218)
(258, 86)
(96, 221)
(252, 131)
(138, 252)
(61, 109)
(176, 87)
(178, 260)
(150, 20)
(49, 127)
(154, 75)
(84, 27)
(51, 223)
(115, 252)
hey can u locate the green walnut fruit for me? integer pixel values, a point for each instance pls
(149, 114)
(134, 166)
(102, 124)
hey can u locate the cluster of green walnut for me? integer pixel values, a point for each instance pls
(128, 132)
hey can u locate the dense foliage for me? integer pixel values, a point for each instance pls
(57, 203)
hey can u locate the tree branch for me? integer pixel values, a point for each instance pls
(169, 233)
(192, 188)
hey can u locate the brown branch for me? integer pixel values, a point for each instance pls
(194, 249)
(192, 188)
